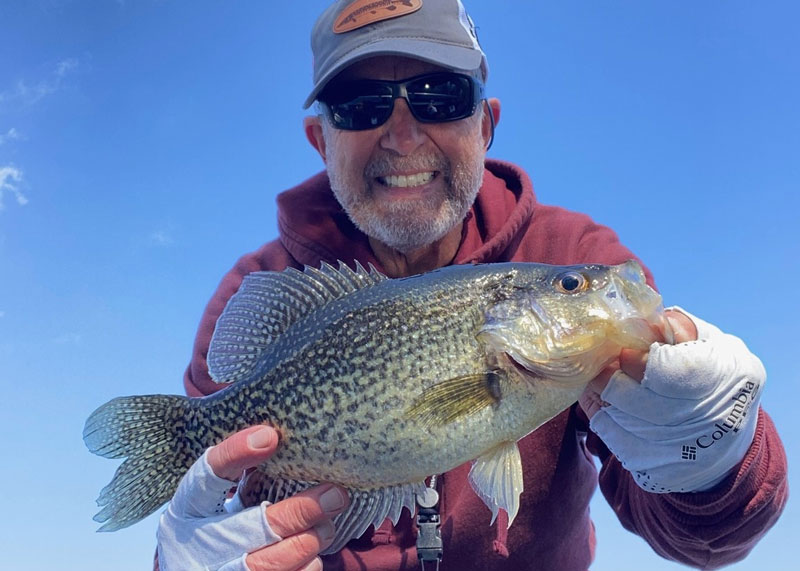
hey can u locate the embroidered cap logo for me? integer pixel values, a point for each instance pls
(363, 12)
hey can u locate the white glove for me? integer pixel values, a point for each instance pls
(691, 419)
(200, 530)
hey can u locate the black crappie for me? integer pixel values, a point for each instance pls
(377, 383)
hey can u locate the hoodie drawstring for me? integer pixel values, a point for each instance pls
(500, 543)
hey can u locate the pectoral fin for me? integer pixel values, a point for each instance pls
(454, 398)
(497, 478)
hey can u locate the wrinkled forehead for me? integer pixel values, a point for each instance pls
(388, 68)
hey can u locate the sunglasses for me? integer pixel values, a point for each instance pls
(432, 98)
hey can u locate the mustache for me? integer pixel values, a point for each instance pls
(383, 165)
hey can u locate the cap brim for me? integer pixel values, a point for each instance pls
(446, 55)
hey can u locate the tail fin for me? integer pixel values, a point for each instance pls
(151, 431)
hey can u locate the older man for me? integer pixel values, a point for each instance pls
(403, 128)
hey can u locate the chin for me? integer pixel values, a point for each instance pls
(410, 233)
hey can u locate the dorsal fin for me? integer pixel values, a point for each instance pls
(267, 304)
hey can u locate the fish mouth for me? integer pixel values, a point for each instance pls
(556, 341)
(521, 369)
(638, 308)
(550, 350)
(573, 369)
(547, 338)
(630, 315)
(640, 333)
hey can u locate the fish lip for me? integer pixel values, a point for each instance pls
(519, 367)
(658, 326)
(638, 307)
(553, 333)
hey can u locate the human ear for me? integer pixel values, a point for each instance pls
(312, 125)
(490, 121)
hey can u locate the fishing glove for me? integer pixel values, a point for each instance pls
(691, 419)
(201, 530)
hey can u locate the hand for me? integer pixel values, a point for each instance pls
(682, 416)
(199, 530)
(633, 362)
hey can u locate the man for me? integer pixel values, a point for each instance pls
(403, 130)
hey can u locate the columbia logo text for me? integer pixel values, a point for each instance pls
(742, 401)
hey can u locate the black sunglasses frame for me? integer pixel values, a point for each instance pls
(332, 102)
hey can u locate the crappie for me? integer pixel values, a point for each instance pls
(377, 383)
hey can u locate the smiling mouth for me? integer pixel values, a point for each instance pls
(406, 181)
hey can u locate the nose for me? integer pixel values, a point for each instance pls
(402, 132)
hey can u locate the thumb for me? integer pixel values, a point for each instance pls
(634, 362)
(245, 449)
(683, 328)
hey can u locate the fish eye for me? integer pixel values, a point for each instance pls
(571, 282)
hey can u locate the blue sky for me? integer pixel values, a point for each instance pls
(142, 144)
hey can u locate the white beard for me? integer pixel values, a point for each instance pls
(408, 226)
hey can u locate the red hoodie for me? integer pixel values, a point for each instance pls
(553, 530)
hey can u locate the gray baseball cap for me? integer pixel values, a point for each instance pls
(436, 31)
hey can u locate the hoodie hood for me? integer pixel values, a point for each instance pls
(313, 225)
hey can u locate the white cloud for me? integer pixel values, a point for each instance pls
(65, 66)
(161, 238)
(27, 93)
(9, 178)
(68, 339)
(11, 135)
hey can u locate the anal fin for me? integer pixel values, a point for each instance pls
(372, 507)
(367, 507)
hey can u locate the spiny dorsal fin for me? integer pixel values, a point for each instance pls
(451, 399)
(267, 304)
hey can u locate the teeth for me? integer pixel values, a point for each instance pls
(404, 181)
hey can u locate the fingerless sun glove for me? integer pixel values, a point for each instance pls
(692, 418)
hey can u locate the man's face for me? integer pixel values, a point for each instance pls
(405, 183)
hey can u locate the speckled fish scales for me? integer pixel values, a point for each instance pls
(377, 383)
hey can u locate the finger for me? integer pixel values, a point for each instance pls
(629, 396)
(306, 509)
(244, 449)
(213, 539)
(683, 328)
(635, 415)
(633, 363)
(690, 370)
(255, 485)
(590, 399)
(295, 552)
(201, 493)
(623, 434)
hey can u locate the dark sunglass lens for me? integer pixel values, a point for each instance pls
(445, 97)
(359, 105)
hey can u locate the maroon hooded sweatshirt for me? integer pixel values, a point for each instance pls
(552, 531)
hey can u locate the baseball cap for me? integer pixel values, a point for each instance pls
(436, 31)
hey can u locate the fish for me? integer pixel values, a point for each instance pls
(376, 383)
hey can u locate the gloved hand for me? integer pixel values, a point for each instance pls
(692, 417)
(200, 530)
